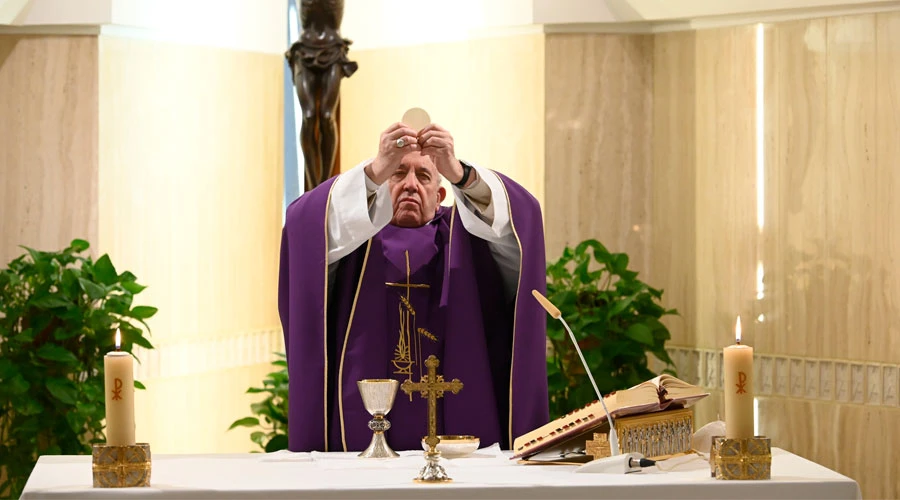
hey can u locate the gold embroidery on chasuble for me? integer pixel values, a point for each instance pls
(408, 351)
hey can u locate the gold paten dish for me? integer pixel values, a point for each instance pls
(453, 446)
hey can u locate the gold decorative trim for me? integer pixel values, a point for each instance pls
(346, 339)
(654, 435)
(657, 434)
(512, 348)
(121, 466)
(742, 459)
(325, 320)
(450, 243)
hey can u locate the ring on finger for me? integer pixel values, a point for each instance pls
(400, 143)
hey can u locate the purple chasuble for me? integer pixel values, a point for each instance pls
(494, 344)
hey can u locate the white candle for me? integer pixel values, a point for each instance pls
(738, 387)
(119, 387)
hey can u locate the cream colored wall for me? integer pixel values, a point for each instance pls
(169, 158)
(827, 346)
(48, 142)
(190, 149)
(726, 223)
(672, 247)
(598, 132)
(489, 93)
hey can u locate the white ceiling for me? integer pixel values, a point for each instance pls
(381, 23)
(261, 24)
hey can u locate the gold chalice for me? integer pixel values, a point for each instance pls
(378, 398)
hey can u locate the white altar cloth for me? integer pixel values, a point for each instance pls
(486, 474)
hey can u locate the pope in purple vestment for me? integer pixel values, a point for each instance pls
(364, 298)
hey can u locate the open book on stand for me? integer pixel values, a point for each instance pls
(565, 437)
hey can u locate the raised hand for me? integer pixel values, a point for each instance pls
(437, 143)
(395, 142)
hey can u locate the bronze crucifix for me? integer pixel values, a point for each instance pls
(432, 387)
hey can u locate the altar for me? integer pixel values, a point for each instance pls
(488, 473)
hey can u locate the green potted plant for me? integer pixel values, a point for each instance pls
(273, 410)
(58, 315)
(615, 318)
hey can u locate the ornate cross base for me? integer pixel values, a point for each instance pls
(432, 387)
(432, 472)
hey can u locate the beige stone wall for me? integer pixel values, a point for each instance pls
(813, 148)
(48, 142)
(169, 158)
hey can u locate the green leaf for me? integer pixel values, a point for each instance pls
(65, 333)
(93, 389)
(26, 337)
(279, 442)
(245, 422)
(620, 262)
(119, 304)
(76, 421)
(663, 356)
(139, 385)
(640, 333)
(260, 409)
(564, 300)
(53, 352)
(28, 406)
(15, 385)
(93, 290)
(254, 390)
(141, 341)
(661, 335)
(37, 256)
(51, 301)
(258, 437)
(63, 390)
(87, 409)
(79, 245)
(601, 254)
(628, 275)
(104, 270)
(143, 312)
(7, 369)
(133, 286)
(620, 306)
(53, 450)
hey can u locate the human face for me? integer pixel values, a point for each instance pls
(416, 191)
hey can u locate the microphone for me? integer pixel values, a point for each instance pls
(554, 312)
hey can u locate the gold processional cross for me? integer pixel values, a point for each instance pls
(403, 359)
(432, 387)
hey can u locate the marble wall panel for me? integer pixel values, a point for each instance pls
(599, 124)
(48, 142)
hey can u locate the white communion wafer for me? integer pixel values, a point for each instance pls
(416, 118)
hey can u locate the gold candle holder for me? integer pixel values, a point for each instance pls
(744, 458)
(121, 466)
(712, 455)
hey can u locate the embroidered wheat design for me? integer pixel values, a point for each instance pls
(425, 333)
(407, 305)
